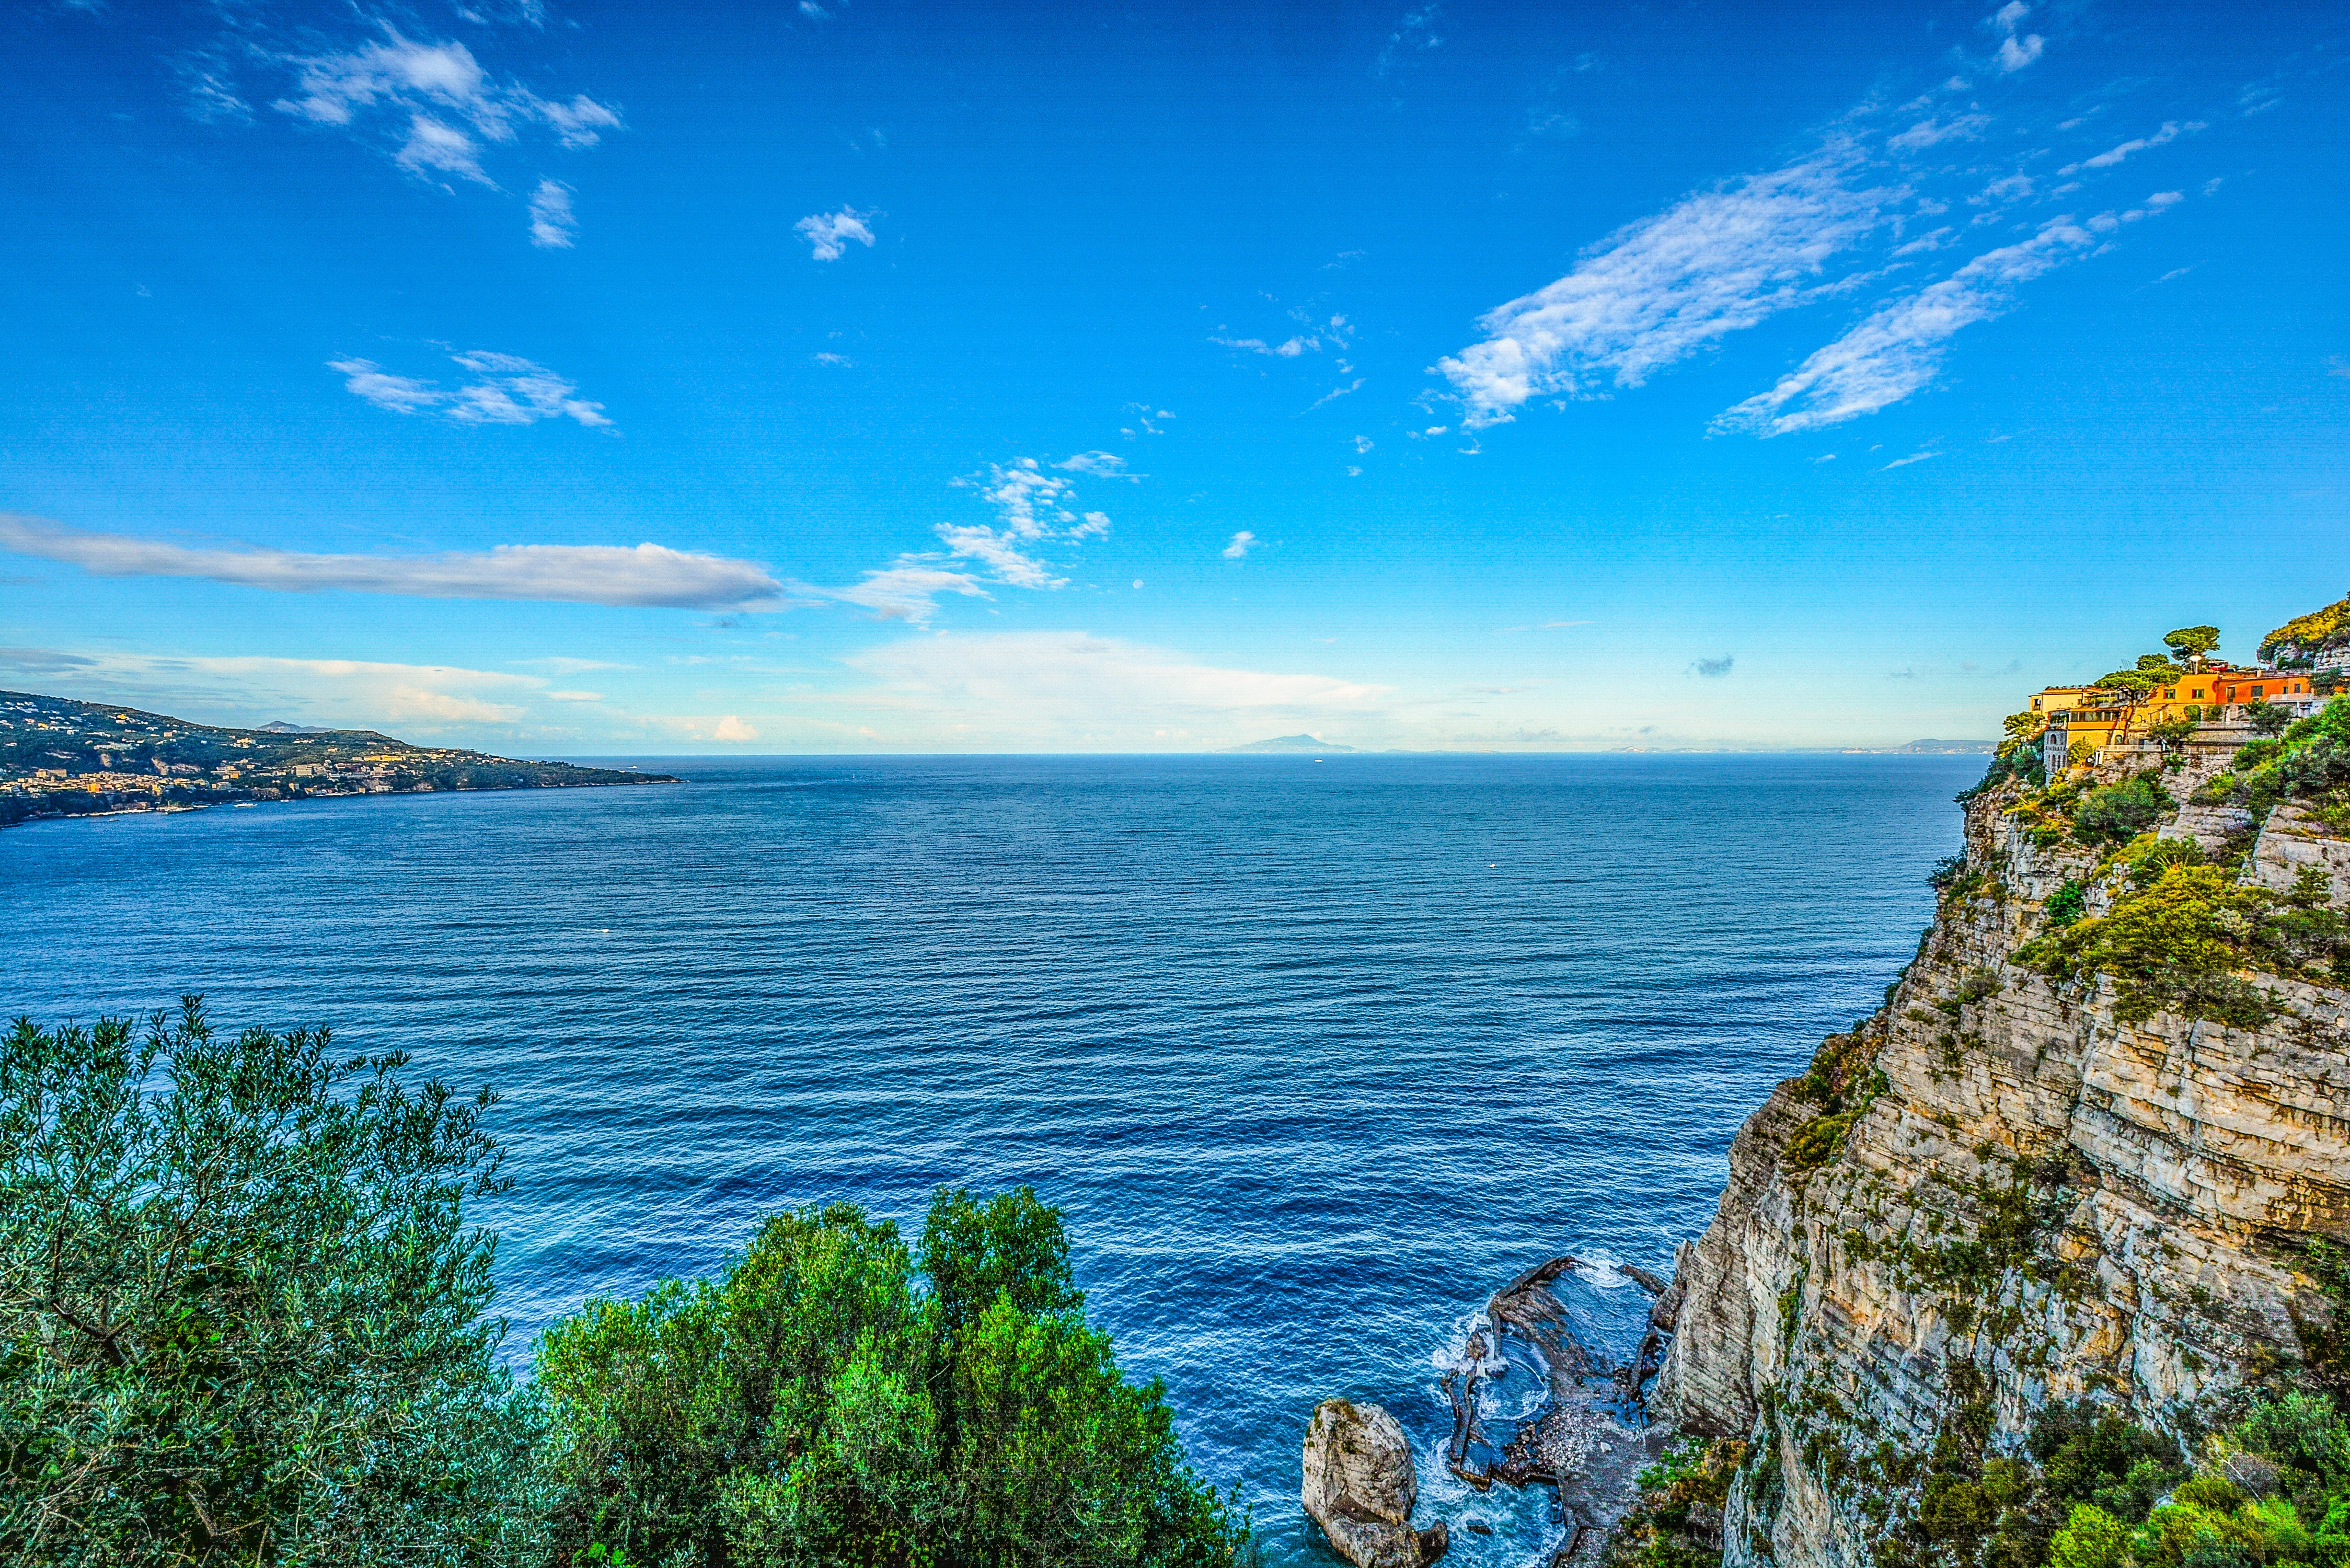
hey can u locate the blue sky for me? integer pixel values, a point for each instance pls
(783, 376)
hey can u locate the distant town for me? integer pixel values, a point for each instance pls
(63, 758)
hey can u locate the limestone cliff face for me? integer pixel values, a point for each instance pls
(2037, 1200)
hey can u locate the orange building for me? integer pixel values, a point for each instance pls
(2233, 686)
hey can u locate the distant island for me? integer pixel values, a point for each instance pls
(1289, 743)
(1942, 748)
(63, 758)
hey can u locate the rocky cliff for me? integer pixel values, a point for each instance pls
(2092, 1146)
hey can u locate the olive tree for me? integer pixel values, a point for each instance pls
(240, 1308)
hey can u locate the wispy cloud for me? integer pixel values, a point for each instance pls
(908, 590)
(1905, 461)
(648, 575)
(1415, 34)
(1036, 507)
(505, 390)
(432, 106)
(2017, 48)
(1288, 348)
(1712, 669)
(344, 694)
(552, 226)
(1898, 350)
(1660, 289)
(1242, 542)
(2171, 130)
(828, 234)
(1037, 685)
(1854, 217)
(1101, 464)
(1334, 393)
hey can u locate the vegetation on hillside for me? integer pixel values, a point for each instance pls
(243, 1322)
(2086, 1488)
(2308, 761)
(2181, 942)
(2318, 628)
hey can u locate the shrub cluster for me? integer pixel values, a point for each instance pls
(242, 1322)
(2309, 760)
(2177, 942)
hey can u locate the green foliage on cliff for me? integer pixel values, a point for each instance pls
(2309, 761)
(1677, 1523)
(240, 1311)
(828, 1401)
(2178, 945)
(1843, 1081)
(242, 1323)
(2120, 811)
(2315, 629)
(1977, 1507)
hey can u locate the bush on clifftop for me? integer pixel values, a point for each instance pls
(241, 1324)
(825, 1401)
(240, 1311)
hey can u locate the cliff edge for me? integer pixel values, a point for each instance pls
(2093, 1147)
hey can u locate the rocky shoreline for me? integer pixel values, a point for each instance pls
(1586, 1441)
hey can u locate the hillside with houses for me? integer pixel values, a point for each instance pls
(2185, 693)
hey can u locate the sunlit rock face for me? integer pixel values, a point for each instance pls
(2038, 1201)
(1360, 1488)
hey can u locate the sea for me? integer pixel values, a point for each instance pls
(1313, 1054)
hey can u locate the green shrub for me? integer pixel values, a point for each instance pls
(241, 1311)
(2067, 903)
(2120, 811)
(817, 1405)
(2266, 718)
(2177, 946)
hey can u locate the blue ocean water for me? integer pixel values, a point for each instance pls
(1314, 1055)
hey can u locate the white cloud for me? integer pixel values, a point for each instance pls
(731, 728)
(829, 234)
(1103, 464)
(1412, 33)
(552, 226)
(908, 590)
(2017, 49)
(827, 358)
(1242, 542)
(1021, 683)
(1897, 350)
(2172, 129)
(1288, 349)
(505, 390)
(438, 103)
(1336, 393)
(1363, 443)
(1660, 289)
(575, 696)
(1905, 461)
(648, 574)
(562, 665)
(344, 694)
(1934, 129)
(1035, 507)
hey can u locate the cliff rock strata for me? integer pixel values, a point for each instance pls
(2002, 1189)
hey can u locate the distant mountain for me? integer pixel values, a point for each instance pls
(1944, 748)
(280, 727)
(1290, 743)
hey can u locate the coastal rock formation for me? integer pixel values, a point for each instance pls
(2006, 1189)
(1360, 1488)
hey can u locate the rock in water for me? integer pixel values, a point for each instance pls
(1360, 1489)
